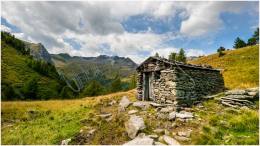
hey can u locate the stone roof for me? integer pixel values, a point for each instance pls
(204, 67)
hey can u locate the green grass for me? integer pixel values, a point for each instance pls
(240, 66)
(49, 122)
(16, 72)
(222, 125)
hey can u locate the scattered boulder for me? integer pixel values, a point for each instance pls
(166, 132)
(112, 102)
(181, 138)
(154, 104)
(141, 104)
(92, 131)
(153, 136)
(104, 116)
(133, 125)
(65, 142)
(162, 116)
(158, 143)
(158, 131)
(170, 141)
(184, 133)
(184, 115)
(124, 103)
(132, 112)
(169, 101)
(172, 116)
(167, 109)
(145, 140)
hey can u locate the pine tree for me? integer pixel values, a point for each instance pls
(181, 56)
(172, 56)
(256, 35)
(251, 41)
(239, 43)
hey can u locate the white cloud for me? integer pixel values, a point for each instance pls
(204, 17)
(96, 23)
(195, 52)
(164, 52)
(5, 28)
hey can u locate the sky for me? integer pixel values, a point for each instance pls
(131, 29)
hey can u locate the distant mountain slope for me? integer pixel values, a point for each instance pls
(240, 66)
(38, 51)
(16, 72)
(102, 68)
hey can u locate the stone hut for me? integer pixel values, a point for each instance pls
(164, 81)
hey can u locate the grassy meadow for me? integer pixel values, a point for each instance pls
(239, 67)
(49, 122)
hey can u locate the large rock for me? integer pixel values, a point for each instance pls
(132, 112)
(141, 141)
(184, 133)
(170, 141)
(167, 109)
(235, 92)
(158, 143)
(172, 116)
(162, 116)
(104, 116)
(65, 142)
(141, 104)
(156, 104)
(159, 131)
(181, 138)
(124, 103)
(184, 115)
(133, 125)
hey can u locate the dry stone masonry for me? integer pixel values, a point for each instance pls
(239, 98)
(166, 82)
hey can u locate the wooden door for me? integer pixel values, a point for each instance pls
(146, 86)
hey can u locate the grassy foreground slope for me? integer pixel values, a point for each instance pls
(50, 122)
(240, 66)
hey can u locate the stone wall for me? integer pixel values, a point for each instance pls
(183, 85)
(139, 86)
